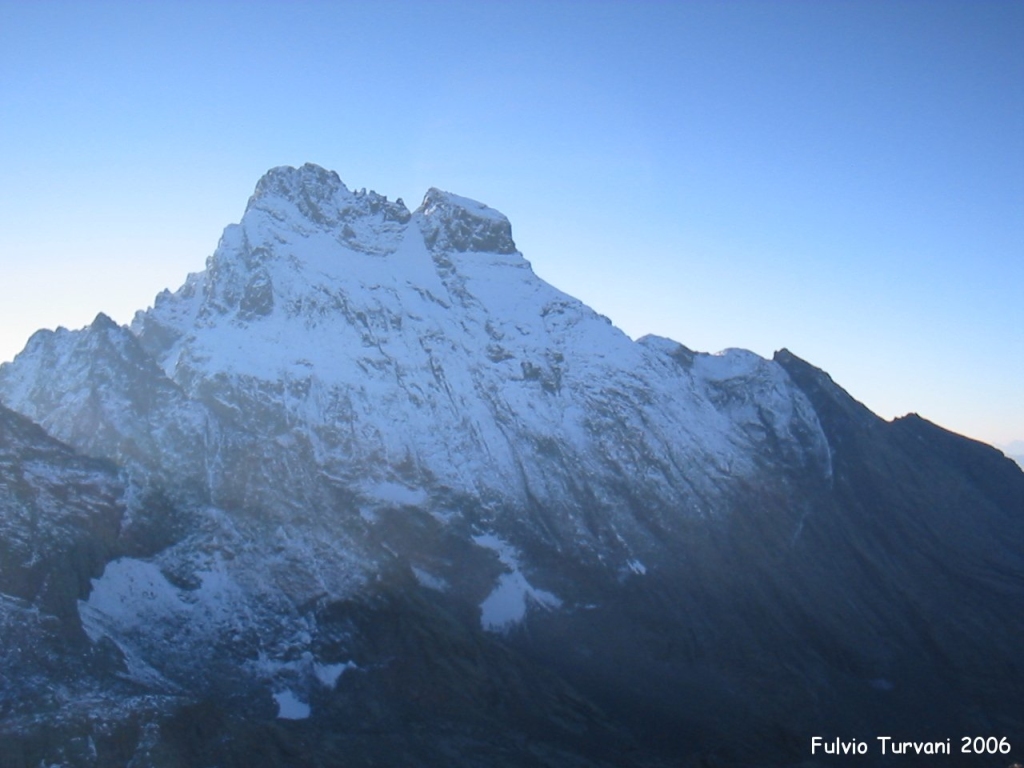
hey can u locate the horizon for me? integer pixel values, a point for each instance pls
(735, 175)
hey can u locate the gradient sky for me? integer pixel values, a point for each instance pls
(844, 179)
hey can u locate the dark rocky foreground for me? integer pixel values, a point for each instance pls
(889, 601)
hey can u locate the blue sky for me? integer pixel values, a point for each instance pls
(844, 179)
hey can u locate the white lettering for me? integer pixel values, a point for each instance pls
(917, 747)
(838, 747)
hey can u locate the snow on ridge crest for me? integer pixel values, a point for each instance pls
(288, 182)
(321, 199)
(312, 199)
(452, 222)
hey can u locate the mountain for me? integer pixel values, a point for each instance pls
(376, 494)
(1014, 450)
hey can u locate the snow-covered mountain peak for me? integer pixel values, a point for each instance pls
(458, 223)
(335, 331)
(310, 199)
(311, 258)
(103, 321)
(290, 183)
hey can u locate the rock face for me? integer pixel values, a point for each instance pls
(376, 493)
(61, 519)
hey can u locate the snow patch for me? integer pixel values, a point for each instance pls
(506, 553)
(290, 706)
(368, 515)
(132, 595)
(507, 603)
(429, 580)
(443, 516)
(637, 567)
(328, 674)
(395, 493)
(728, 364)
(127, 594)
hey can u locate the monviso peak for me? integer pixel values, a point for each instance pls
(367, 490)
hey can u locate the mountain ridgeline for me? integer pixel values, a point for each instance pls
(367, 491)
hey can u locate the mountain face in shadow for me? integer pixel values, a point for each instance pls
(367, 491)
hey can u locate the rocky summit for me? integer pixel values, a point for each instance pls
(367, 491)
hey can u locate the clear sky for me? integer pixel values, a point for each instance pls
(844, 179)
